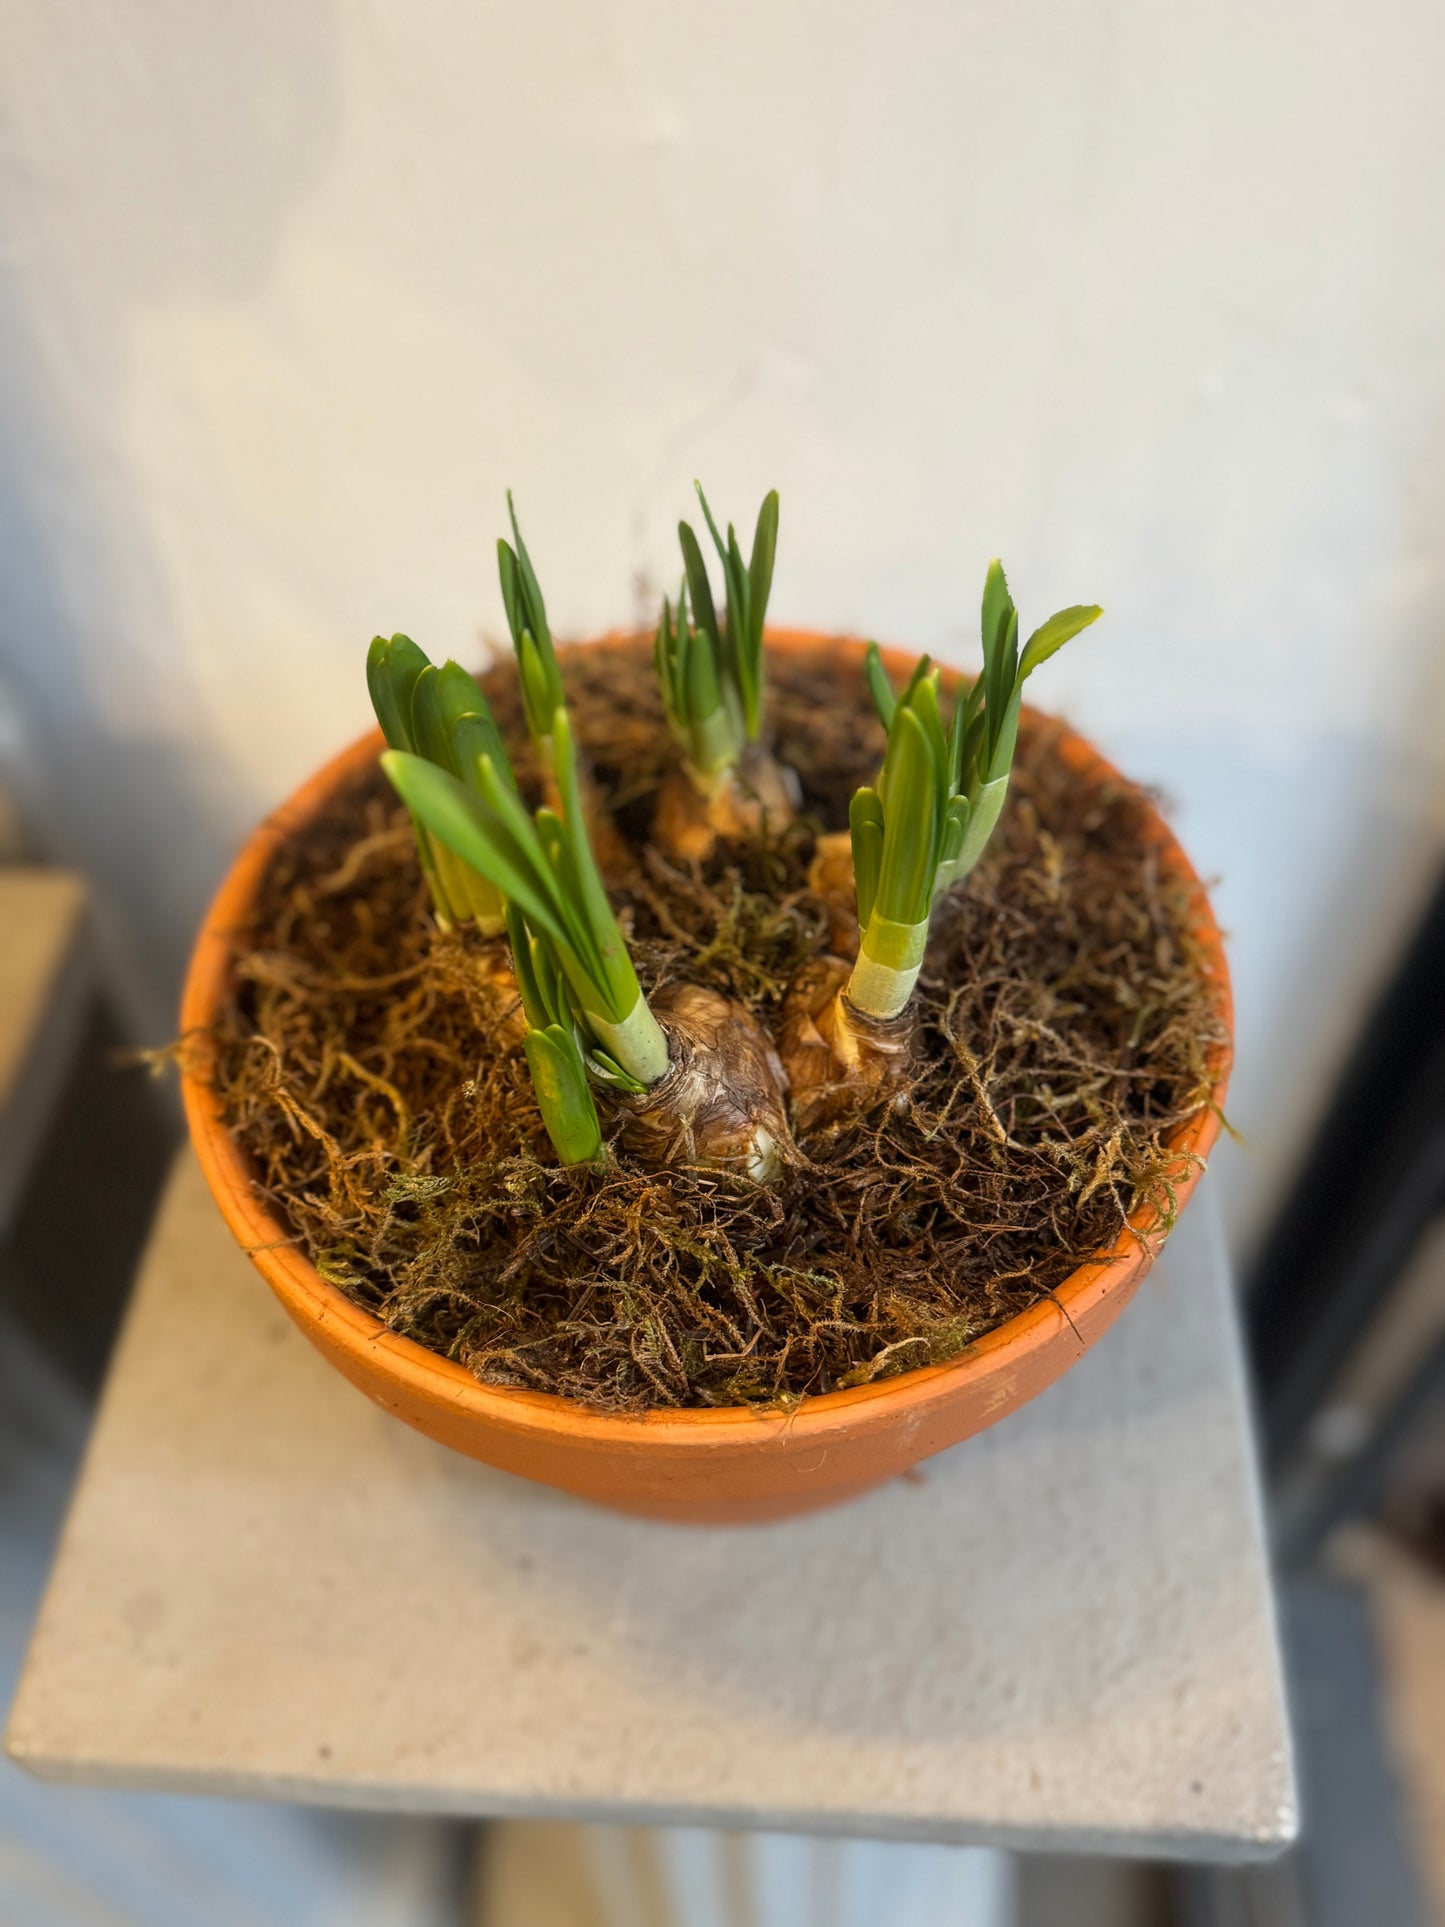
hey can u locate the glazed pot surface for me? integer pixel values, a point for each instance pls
(710, 1466)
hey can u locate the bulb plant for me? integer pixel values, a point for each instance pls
(586, 1014)
(919, 830)
(939, 796)
(542, 865)
(691, 1075)
(710, 671)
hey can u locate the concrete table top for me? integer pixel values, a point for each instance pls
(1058, 1635)
(43, 981)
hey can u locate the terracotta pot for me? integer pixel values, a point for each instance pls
(731, 1464)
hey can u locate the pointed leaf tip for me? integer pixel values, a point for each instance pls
(1053, 634)
(879, 687)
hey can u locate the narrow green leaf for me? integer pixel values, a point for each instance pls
(879, 687)
(551, 983)
(509, 816)
(1051, 636)
(923, 667)
(997, 608)
(677, 644)
(717, 540)
(702, 693)
(604, 1069)
(921, 704)
(969, 775)
(519, 842)
(924, 704)
(569, 789)
(459, 690)
(983, 817)
(426, 855)
(465, 825)
(997, 602)
(392, 667)
(748, 588)
(620, 983)
(975, 700)
(955, 825)
(538, 694)
(910, 823)
(704, 614)
(454, 877)
(1001, 750)
(866, 806)
(664, 650)
(865, 828)
(1010, 672)
(747, 644)
(584, 940)
(955, 746)
(531, 636)
(511, 589)
(474, 737)
(566, 1104)
(485, 902)
(429, 727)
(760, 564)
(737, 579)
(524, 970)
(1004, 682)
(687, 646)
(531, 590)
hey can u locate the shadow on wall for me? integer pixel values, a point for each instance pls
(1379, 856)
(209, 129)
(1321, 840)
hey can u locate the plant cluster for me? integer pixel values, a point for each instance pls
(710, 672)
(689, 1076)
(928, 820)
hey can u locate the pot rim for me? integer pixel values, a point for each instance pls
(312, 1301)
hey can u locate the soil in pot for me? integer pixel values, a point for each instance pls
(1066, 1026)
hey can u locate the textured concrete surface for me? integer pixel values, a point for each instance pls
(43, 978)
(1059, 1635)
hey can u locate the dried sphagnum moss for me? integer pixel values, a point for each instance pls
(1065, 1029)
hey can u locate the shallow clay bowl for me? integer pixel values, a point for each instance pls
(736, 1463)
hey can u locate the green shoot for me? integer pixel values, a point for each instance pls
(707, 724)
(711, 672)
(442, 716)
(545, 868)
(541, 679)
(986, 724)
(902, 830)
(554, 1052)
(939, 796)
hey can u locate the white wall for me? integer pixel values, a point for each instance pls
(1147, 297)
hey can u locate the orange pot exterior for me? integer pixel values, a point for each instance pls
(732, 1464)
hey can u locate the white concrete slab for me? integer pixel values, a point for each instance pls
(43, 980)
(1059, 1635)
